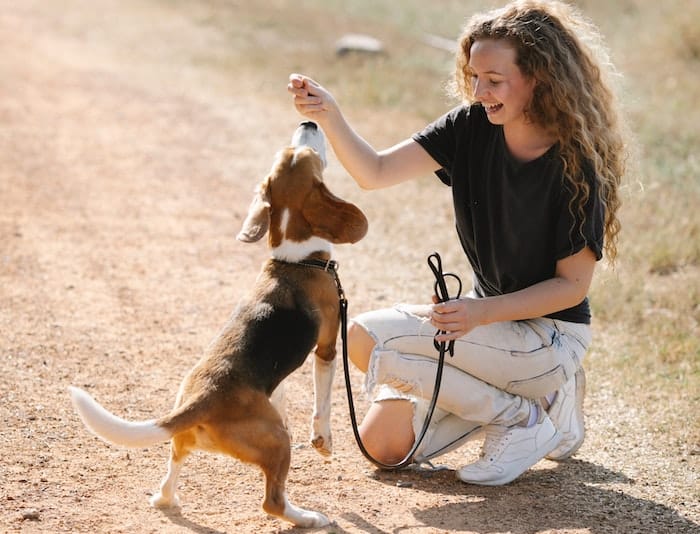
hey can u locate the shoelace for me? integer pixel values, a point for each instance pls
(495, 441)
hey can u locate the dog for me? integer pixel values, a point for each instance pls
(224, 403)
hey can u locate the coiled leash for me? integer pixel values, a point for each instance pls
(441, 291)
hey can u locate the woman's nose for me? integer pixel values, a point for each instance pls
(477, 88)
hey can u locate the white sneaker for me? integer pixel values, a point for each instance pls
(566, 413)
(510, 451)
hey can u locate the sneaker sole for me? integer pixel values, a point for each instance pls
(580, 394)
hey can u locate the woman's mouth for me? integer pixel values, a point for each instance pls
(492, 108)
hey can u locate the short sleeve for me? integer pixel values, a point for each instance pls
(440, 138)
(575, 232)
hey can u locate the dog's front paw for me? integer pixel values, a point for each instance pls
(301, 517)
(161, 501)
(314, 519)
(323, 445)
(304, 518)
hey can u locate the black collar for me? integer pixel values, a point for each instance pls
(324, 265)
(329, 266)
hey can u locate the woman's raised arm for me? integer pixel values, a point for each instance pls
(370, 169)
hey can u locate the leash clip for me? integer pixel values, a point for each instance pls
(332, 266)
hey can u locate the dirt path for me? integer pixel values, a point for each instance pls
(124, 175)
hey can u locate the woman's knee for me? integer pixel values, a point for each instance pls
(387, 430)
(360, 346)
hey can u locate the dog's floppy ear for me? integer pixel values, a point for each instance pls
(257, 222)
(332, 218)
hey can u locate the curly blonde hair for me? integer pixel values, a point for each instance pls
(572, 98)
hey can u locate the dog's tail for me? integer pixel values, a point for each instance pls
(114, 429)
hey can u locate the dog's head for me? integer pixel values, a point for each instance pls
(295, 206)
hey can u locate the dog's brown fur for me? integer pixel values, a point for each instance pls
(223, 404)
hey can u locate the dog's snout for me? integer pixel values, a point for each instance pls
(309, 134)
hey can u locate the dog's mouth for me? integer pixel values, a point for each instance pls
(308, 134)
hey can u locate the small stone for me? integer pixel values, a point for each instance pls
(356, 42)
(31, 514)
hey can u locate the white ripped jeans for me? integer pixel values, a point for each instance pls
(496, 370)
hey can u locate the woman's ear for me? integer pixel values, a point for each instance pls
(332, 218)
(257, 222)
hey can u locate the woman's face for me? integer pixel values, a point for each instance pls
(497, 81)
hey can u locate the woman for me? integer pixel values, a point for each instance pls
(534, 157)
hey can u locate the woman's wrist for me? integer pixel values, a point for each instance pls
(482, 311)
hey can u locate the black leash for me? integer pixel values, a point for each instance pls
(441, 291)
(443, 295)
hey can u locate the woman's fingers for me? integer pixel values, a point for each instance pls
(301, 86)
(309, 96)
(452, 318)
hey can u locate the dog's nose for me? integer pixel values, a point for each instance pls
(309, 124)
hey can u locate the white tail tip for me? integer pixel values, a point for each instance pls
(114, 429)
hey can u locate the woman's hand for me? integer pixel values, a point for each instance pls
(310, 99)
(456, 317)
(567, 288)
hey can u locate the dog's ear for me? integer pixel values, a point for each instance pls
(257, 222)
(332, 218)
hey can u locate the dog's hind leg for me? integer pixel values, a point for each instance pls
(275, 466)
(180, 449)
(261, 439)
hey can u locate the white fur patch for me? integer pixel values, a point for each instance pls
(284, 221)
(301, 517)
(312, 138)
(114, 429)
(294, 251)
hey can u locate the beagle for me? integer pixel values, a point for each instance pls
(223, 404)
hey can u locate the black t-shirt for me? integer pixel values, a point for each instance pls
(513, 219)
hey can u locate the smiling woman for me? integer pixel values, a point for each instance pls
(562, 54)
(534, 157)
(505, 92)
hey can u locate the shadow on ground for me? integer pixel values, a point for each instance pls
(558, 493)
